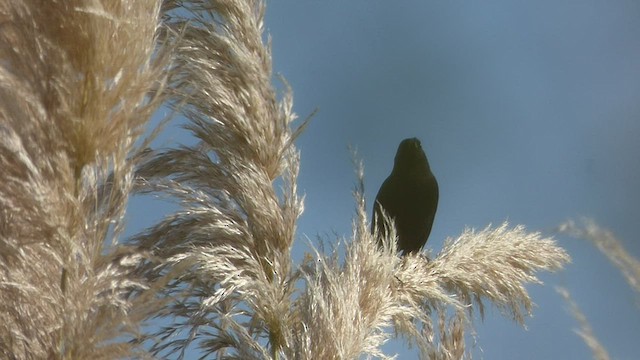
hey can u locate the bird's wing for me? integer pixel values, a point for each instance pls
(385, 198)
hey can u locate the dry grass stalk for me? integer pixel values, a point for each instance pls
(230, 245)
(75, 85)
(610, 246)
(615, 251)
(585, 332)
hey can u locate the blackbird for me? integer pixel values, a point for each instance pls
(409, 196)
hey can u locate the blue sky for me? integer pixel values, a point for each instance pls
(528, 111)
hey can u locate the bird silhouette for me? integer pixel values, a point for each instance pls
(409, 196)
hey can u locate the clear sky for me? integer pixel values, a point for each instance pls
(528, 111)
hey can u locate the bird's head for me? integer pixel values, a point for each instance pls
(410, 156)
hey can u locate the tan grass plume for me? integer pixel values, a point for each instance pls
(77, 85)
